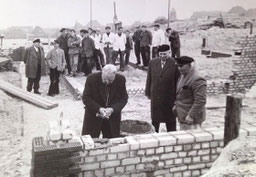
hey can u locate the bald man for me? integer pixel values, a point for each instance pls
(104, 98)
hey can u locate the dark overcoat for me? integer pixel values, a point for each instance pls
(161, 88)
(174, 38)
(31, 59)
(96, 95)
(88, 47)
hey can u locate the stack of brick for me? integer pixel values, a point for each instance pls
(62, 159)
(244, 69)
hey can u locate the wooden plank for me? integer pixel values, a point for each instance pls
(4, 61)
(76, 94)
(27, 96)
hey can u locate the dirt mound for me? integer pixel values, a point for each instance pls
(236, 160)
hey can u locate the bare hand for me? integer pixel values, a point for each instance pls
(108, 112)
(189, 120)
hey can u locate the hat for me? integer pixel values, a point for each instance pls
(184, 60)
(62, 29)
(36, 40)
(56, 41)
(164, 48)
(107, 27)
(168, 29)
(83, 31)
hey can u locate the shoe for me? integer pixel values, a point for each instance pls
(137, 64)
(51, 95)
(37, 92)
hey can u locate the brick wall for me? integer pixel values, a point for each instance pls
(244, 66)
(244, 69)
(178, 154)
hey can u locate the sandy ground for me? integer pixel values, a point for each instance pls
(15, 149)
(236, 160)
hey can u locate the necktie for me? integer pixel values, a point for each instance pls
(162, 63)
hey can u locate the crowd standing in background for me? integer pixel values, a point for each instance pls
(83, 54)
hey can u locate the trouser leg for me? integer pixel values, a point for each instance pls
(121, 60)
(37, 79)
(30, 84)
(106, 129)
(156, 126)
(127, 56)
(114, 57)
(137, 52)
(147, 56)
(170, 126)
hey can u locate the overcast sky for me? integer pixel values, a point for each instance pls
(64, 13)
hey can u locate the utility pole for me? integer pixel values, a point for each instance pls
(91, 13)
(169, 3)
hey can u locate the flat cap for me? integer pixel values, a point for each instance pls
(62, 29)
(168, 29)
(157, 25)
(56, 41)
(107, 27)
(83, 31)
(184, 60)
(36, 40)
(164, 48)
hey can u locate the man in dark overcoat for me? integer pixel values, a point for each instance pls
(174, 39)
(34, 60)
(104, 98)
(63, 39)
(161, 88)
(87, 51)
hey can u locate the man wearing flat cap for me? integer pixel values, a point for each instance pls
(87, 51)
(35, 65)
(174, 39)
(63, 39)
(190, 95)
(56, 64)
(161, 88)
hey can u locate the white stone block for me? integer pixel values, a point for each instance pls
(54, 135)
(65, 124)
(67, 134)
(88, 142)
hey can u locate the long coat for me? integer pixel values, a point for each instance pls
(88, 47)
(97, 95)
(161, 88)
(31, 60)
(174, 39)
(191, 98)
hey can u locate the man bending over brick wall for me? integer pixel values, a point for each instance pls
(190, 95)
(104, 98)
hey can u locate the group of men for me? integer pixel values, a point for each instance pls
(174, 87)
(145, 41)
(85, 53)
(34, 59)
